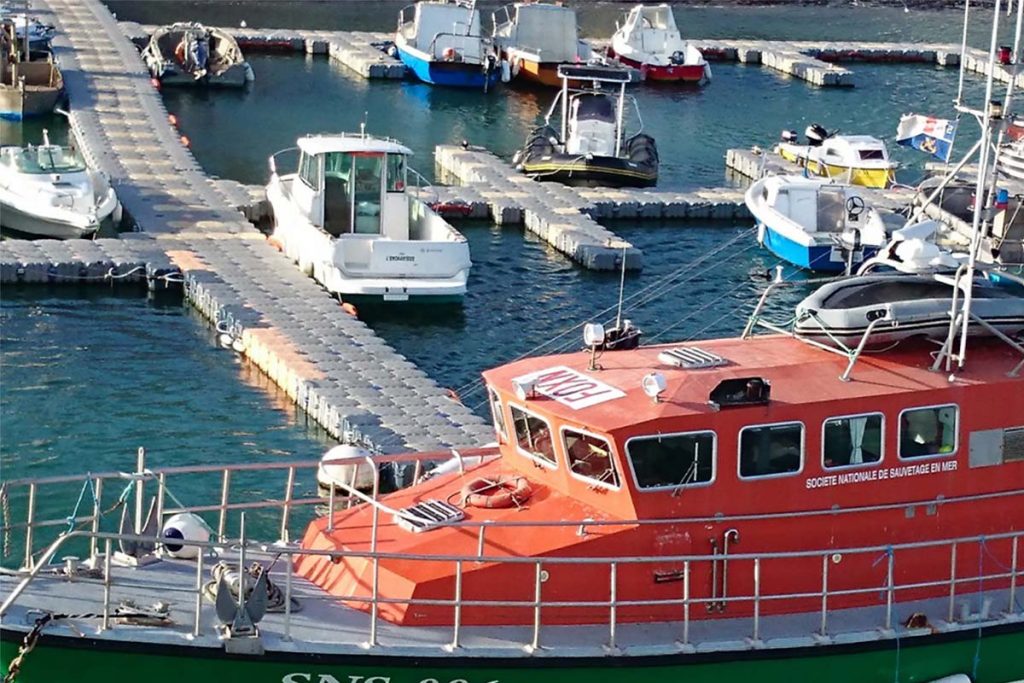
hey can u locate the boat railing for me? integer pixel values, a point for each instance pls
(421, 185)
(466, 59)
(99, 495)
(272, 160)
(997, 576)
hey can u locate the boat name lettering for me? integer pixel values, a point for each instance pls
(899, 472)
(301, 677)
(570, 388)
(401, 257)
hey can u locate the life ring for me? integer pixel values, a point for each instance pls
(502, 495)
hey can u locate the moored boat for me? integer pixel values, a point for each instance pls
(693, 510)
(591, 146)
(30, 85)
(188, 53)
(48, 191)
(815, 224)
(346, 216)
(854, 159)
(533, 38)
(899, 306)
(648, 39)
(441, 43)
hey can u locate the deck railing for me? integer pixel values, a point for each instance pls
(1001, 574)
(1008, 576)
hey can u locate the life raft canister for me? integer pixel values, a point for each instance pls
(485, 493)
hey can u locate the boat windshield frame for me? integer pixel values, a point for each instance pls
(45, 160)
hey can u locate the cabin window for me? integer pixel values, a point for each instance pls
(533, 436)
(673, 460)
(499, 417)
(872, 154)
(367, 169)
(928, 431)
(309, 171)
(852, 441)
(590, 457)
(396, 173)
(771, 450)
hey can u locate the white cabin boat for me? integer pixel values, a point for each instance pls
(815, 224)
(648, 39)
(535, 37)
(48, 191)
(346, 217)
(854, 159)
(441, 43)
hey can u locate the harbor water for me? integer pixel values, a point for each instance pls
(87, 377)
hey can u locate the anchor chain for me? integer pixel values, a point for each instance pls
(28, 644)
(5, 506)
(125, 613)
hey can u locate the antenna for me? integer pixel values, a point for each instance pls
(622, 287)
(362, 125)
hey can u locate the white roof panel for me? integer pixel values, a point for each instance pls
(321, 144)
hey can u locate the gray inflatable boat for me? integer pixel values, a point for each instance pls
(908, 306)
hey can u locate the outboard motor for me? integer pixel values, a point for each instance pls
(788, 136)
(678, 57)
(816, 134)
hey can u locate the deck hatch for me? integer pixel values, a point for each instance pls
(428, 515)
(691, 358)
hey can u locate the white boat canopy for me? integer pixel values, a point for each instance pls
(323, 144)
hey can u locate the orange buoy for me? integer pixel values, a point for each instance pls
(275, 243)
(349, 308)
(185, 141)
(172, 119)
(155, 82)
(484, 493)
(453, 395)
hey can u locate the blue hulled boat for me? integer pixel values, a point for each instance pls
(440, 43)
(815, 224)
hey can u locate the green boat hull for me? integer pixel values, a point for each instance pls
(993, 656)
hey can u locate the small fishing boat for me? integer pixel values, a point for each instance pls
(346, 216)
(648, 39)
(440, 42)
(590, 147)
(30, 85)
(188, 53)
(48, 191)
(534, 38)
(1011, 156)
(854, 159)
(815, 224)
(893, 307)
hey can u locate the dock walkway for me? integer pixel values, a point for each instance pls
(329, 362)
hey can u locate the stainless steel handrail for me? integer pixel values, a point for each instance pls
(612, 603)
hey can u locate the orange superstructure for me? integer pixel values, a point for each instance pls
(760, 448)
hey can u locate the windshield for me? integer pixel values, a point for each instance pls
(595, 107)
(47, 159)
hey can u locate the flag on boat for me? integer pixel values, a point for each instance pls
(927, 134)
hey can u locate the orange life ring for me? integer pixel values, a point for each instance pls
(502, 494)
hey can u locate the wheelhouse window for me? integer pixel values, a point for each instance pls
(590, 457)
(771, 450)
(852, 441)
(499, 417)
(309, 171)
(928, 431)
(533, 435)
(872, 154)
(671, 461)
(396, 173)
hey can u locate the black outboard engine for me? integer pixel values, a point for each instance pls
(816, 134)
(621, 337)
(788, 136)
(678, 57)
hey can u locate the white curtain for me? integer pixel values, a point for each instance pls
(857, 425)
